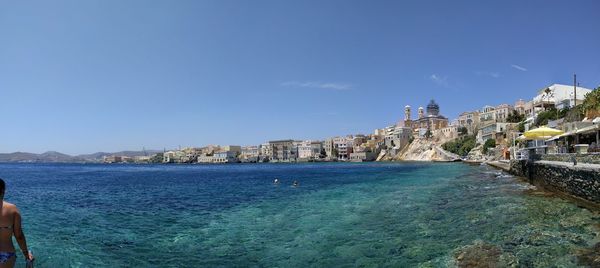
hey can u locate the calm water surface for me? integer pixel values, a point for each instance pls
(397, 215)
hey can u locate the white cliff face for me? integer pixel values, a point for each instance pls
(421, 149)
(426, 150)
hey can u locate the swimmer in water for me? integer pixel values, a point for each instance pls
(295, 184)
(276, 181)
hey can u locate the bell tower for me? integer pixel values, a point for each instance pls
(407, 120)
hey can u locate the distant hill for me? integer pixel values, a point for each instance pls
(56, 157)
(99, 156)
(47, 157)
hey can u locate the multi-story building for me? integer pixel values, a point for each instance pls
(448, 133)
(520, 106)
(397, 137)
(309, 150)
(469, 120)
(174, 157)
(264, 152)
(487, 116)
(250, 154)
(228, 156)
(250, 151)
(330, 153)
(502, 112)
(497, 131)
(282, 151)
(343, 147)
(204, 158)
(530, 109)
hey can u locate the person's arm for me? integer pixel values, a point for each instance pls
(20, 236)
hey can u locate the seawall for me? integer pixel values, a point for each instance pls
(581, 181)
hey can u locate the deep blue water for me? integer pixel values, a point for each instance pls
(394, 214)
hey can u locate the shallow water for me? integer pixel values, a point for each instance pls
(396, 214)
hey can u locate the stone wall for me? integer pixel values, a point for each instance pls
(581, 158)
(580, 182)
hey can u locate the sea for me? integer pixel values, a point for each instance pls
(407, 214)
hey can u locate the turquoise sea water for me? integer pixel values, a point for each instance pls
(342, 215)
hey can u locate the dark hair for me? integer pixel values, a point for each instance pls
(2, 186)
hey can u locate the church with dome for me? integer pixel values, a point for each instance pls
(431, 121)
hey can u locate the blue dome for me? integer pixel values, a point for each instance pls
(433, 108)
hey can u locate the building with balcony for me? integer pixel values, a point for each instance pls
(282, 151)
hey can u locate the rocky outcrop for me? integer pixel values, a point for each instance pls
(476, 154)
(384, 155)
(420, 149)
(425, 150)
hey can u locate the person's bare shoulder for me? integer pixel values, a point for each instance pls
(10, 207)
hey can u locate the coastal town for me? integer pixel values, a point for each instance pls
(491, 133)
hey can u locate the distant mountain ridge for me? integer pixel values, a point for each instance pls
(56, 157)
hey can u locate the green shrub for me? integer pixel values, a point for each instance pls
(461, 146)
(515, 117)
(522, 126)
(491, 143)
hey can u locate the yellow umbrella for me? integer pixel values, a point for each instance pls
(542, 133)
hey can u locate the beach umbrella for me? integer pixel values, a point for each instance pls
(521, 138)
(542, 133)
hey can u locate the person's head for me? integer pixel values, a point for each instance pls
(2, 187)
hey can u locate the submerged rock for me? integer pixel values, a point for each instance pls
(479, 254)
(590, 257)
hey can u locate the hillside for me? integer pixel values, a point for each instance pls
(56, 157)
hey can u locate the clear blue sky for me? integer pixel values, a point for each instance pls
(108, 75)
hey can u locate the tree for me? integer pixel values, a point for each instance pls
(491, 143)
(463, 131)
(591, 103)
(157, 158)
(515, 117)
(461, 146)
(522, 126)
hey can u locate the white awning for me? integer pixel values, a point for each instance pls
(590, 129)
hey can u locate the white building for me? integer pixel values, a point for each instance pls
(265, 151)
(343, 147)
(250, 154)
(559, 96)
(502, 112)
(203, 158)
(397, 137)
(225, 157)
(308, 150)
